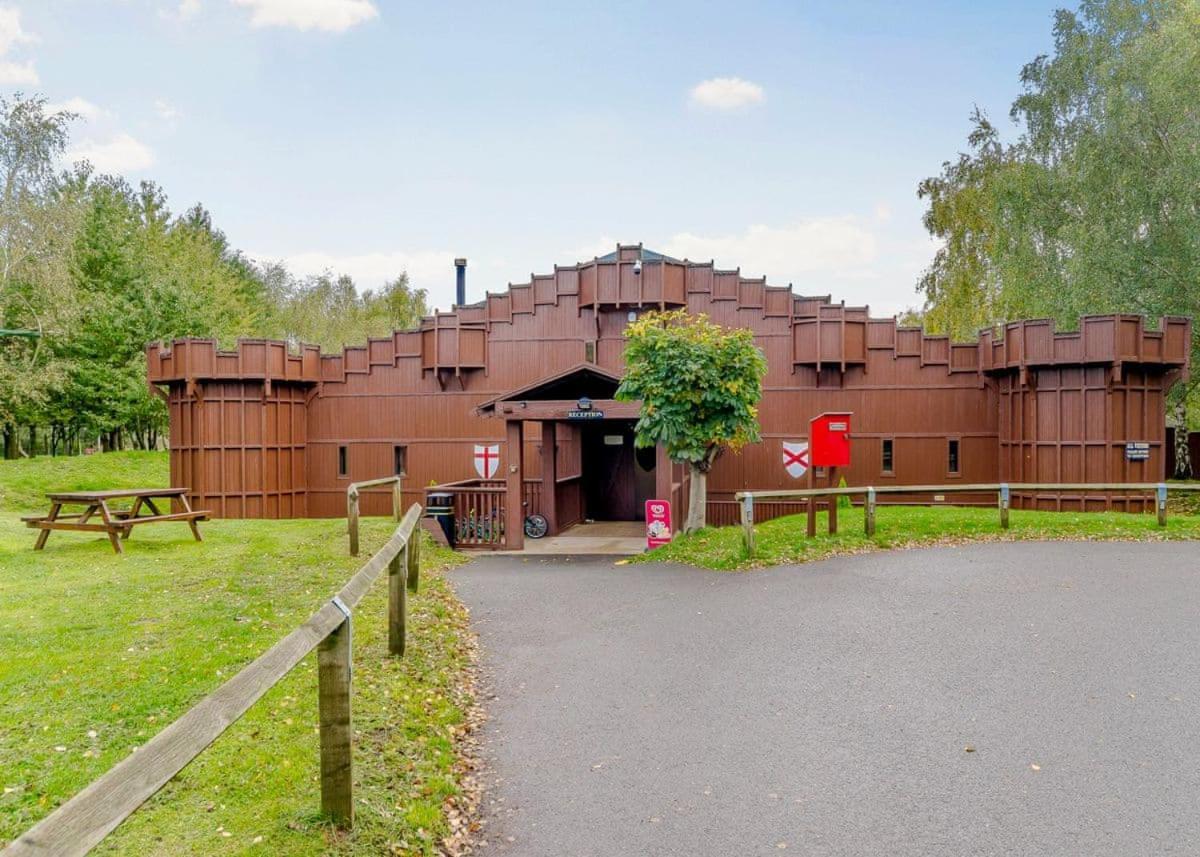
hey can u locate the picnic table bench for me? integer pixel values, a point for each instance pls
(117, 523)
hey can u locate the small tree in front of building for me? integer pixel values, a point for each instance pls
(699, 385)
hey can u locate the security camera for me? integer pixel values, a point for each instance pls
(637, 267)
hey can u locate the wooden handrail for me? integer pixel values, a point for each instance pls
(352, 492)
(83, 821)
(471, 485)
(1003, 491)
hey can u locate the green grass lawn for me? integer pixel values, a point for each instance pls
(24, 483)
(100, 652)
(783, 539)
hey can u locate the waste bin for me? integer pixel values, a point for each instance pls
(440, 507)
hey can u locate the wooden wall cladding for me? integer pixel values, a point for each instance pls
(1024, 403)
(1110, 339)
(1071, 424)
(253, 358)
(240, 449)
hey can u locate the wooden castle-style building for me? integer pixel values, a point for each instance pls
(510, 401)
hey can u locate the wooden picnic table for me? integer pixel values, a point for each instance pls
(118, 523)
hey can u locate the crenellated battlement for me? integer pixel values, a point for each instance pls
(824, 334)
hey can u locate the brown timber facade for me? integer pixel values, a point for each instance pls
(262, 431)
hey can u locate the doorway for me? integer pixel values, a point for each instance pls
(617, 479)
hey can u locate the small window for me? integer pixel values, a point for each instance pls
(399, 460)
(952, 457)
(343, 461)
(589, 352)
(887, 461)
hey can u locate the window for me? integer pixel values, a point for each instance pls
(589, 352)
(952, 457)
(399, 456)
(887, 462)
(343, 461)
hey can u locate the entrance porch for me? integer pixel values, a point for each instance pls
(570, 458)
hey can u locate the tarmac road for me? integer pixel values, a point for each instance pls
(827, 709)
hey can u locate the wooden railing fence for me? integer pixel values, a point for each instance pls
(478, 510)
(1003, 491)
(353, 490)
(82, 822)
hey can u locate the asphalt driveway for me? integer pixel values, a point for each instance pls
(828, 709)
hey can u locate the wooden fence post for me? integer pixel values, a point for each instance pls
(1003, 501)
(397, 500)
(869, 513)
(748, 523)
(413, 552)
(397, 601)
(333, 689)
(1162, 504)
(833, 500)
(811, 508)
(352, 518)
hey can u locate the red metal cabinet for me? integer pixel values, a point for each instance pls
(829, 438)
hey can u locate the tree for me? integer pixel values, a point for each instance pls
(1093, 208)
(699, 385)
(33, 245)
(98, 268)
(329, 311)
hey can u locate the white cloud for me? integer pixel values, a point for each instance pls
(12, 72)
(852, 258)
(17, 73)
(119, 154)
(333, 16)
(180, 10)
(11, 31)
(81, 106)
(166, 111)
(726, 93)
(819, 244)
(586, 252)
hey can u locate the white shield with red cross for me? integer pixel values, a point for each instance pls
(795, 458)
(487, 460)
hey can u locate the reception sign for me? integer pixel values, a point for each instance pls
(658, 522)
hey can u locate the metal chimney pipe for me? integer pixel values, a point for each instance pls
(460, 282)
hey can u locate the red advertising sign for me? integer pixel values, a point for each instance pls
(658, 522)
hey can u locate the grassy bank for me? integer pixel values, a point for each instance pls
(24, 482)
(783, 539)
(101, 652)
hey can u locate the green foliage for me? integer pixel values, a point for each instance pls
(33, 233)
(100, 269)
(843, 500)
(329, 311)
(1093, 207)
(699, 385)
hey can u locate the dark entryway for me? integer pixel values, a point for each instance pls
(617, 479)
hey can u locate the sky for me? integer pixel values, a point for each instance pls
(374, 136)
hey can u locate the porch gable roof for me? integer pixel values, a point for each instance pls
(582, 379)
